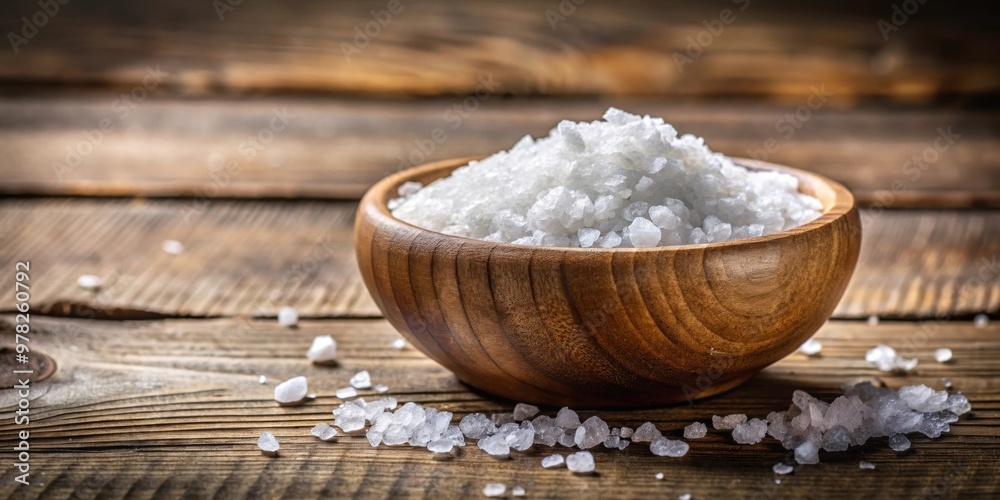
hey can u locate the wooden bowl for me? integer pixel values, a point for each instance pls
(589, 327)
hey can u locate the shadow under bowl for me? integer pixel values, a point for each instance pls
(621, 327)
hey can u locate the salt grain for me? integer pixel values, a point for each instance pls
(323, 350)
(811, 347)
(685, 496)
(292, 391)
(696, 430)
(268, 444)
(943, 355)
(553, 461)
(627, 181)
(646, 433)
(581, 462)
(899, 442)
(324, 432)
(729, 422)
(751, 432)
(981, 320)
(172, 247)
(88, 282)
(440, 446)
(262, 379)
(517, 491)
(659, 475)
(494, 490)
(524, 411)
(288, 316)
(866, 465)
(886, 359)
(592, 433)
(782, 469)
(361, 380)
(381, 388)
(668, 447)
(347, 392)
(873, 320)
(399, 343)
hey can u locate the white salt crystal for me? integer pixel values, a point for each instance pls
(873, 320)
(899, 442)
(606, 178)
(943, 355)
(729, 422)
(323, 350)
(291, 391)
(346, 392)
(807, 453)
(553, 461)
(495, 445)
(567, 419)
(659, 475)
(981, 320)
(476, 426)
(581, 462)
(668, 447)
(288, 316)
(524, 411)
(349, 417)
(646, 433)
(399, 343)
(381, 388)
(494, 490)
(865, 465)
(173, 247)
(409, 187)
(88, 282)
(591, 433)
(751, 432)
(695, 430)
(626, 432)
(361, 380)
(946, 381)
(324, 432)
(780, 468)
(886, 359)
(262, 379)
(685, 496)
(440, 446)
(811, 347)
(268, 444)
(517, 491)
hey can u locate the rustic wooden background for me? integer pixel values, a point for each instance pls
(153, 387)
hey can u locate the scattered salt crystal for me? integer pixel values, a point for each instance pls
(811, 347)
(399, 343)
(88, 282)
(494, 490)
(685, 496)
(899, 442)
(381, 388)
(524, 411)
(361, 380)
(173, 247)
(646, 433)
(946, 381)
(322, 350)
(592, 433)
(476, 426)
(943, 355)
(886, 359)
(268, 444)
(347, 392)
(324, 432)
(668, 447)
(288, 316)
(495, 445)
(695, 430)
(751, 432)
(517, 491)
(865, 465)
(807, 453)
(729, 422)
(441, 446)
(553, 461)
(625, 181)
(780, 468)
(981, 320)
(262, 379)
(292, 391)
(659, 475)
(873, 320)
(350, 417)
(567, 419)
(581, 462)
(626, 432)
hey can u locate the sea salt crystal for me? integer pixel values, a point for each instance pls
(524, 411)
(291, 391)
(886, 359)
(172, 247)
(626, 432)
(399, 343)
(567, 419)
(494, 490)
(866, 465)
(646, 433)
(288, 316)
(262, 379)
(695, 430)
(495, 445)
(268, 444)
(409, 187)
(476, 426)
(627, 181)
(581, 462)
(943, 355)
(807, 453)
(381, 388)
(751, 432)
(659, 475)
(88, 282)
(361, 380)
(324, 432)
(520, 439)
(780, 468)
(441, 446)
(668, 447)
(517, 491)
(346, 392)
(873, 320)
(685, 496)
(946, 382)
(981, 320)
(811, 347)
(592, 433)
(729, 422)
(899, 442)
(349, 417)
(323, 350)
(553, 461)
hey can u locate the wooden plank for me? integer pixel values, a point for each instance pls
(248, 258)
(338, 148)
(173, 408)
(777, 49)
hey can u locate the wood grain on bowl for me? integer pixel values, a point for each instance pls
(606, 327)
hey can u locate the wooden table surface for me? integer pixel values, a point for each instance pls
(151, 385)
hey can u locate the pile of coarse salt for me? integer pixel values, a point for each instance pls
(627, 181)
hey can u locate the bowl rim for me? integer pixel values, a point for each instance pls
(378, 195)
